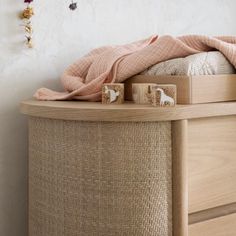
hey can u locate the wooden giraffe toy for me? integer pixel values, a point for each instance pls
(164, 100)
(164, 95)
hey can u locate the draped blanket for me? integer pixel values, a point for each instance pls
(113, 64)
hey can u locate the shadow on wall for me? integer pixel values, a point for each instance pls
(13, 137)
(14, 152)
(13, 174)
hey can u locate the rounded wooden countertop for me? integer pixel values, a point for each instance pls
(95, 111)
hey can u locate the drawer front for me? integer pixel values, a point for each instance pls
(212, 162)
(223, 226)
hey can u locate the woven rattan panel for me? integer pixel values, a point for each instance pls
(99, 178)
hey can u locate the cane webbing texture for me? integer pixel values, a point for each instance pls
(99, 178)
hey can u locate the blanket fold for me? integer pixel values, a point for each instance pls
(83, 80)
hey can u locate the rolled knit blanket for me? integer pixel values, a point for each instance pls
(83, 80)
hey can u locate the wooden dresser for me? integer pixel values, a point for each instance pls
(202, 139)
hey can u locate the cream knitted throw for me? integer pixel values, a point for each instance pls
(83, 80)
(204, 63)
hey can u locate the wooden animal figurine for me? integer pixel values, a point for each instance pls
(141, 93)
(164, 95)
(113, 93)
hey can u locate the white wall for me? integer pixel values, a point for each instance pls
(61, 36)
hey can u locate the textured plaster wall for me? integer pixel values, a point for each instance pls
(61, 36)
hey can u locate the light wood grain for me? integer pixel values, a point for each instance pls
(213, 88)
(212, 162)
(183, 84)
(180, 178)
(212, 213)
(91, 111)
(223, 226)
(141, 93)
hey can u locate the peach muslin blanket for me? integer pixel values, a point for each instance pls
(83, 80)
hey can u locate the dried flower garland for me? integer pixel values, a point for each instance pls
(73, 5)
(26, 15)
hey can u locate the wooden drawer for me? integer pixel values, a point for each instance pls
(192, 89)
(222, 226)
(212, 163)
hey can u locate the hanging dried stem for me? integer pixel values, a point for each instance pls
(26, 15)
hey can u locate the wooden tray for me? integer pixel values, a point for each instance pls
(192, 89)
